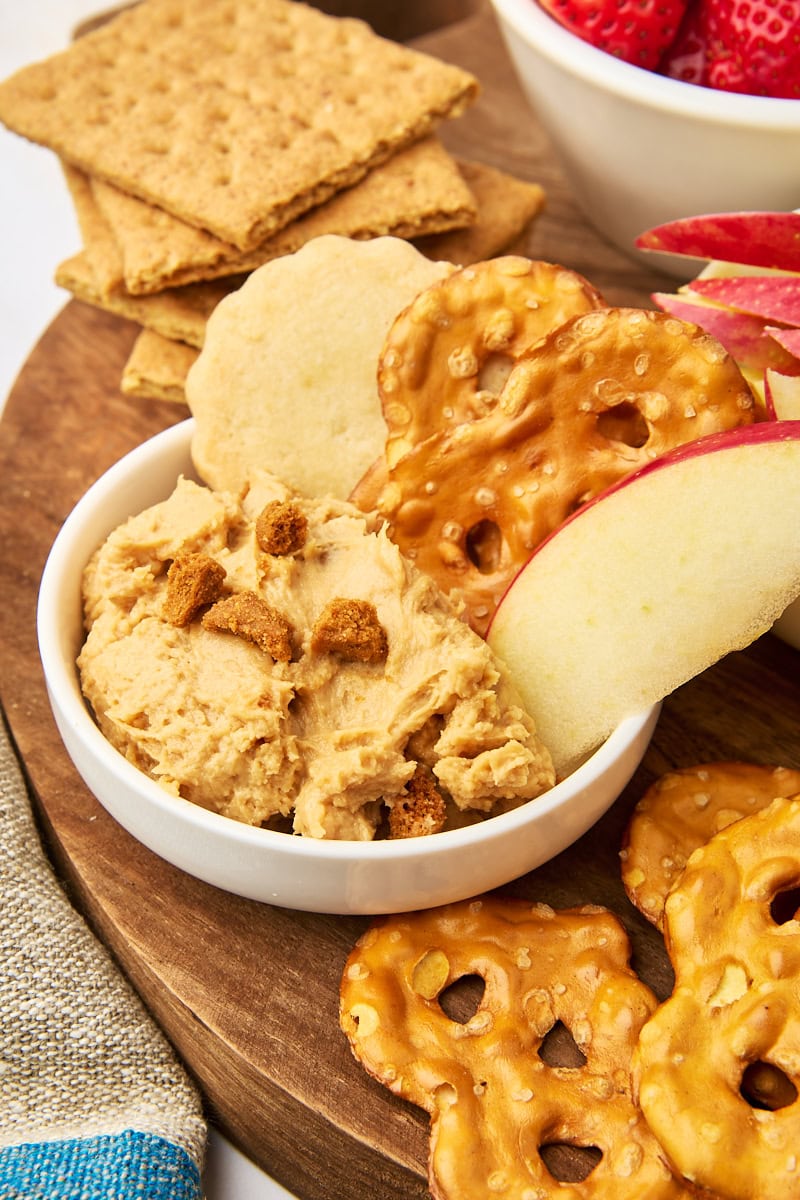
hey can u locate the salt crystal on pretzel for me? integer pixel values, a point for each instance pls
(734, 1014)
(683, 810)
(446, 355)
(602, 395)
(494, 1103)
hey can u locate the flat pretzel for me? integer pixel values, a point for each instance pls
(446, 355)
(601, 396)
(494, 1102)
(735, 1009)
(683, 810)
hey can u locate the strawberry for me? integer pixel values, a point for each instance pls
(750, 46)
(637, 31)
(754, 47)
(687, 57)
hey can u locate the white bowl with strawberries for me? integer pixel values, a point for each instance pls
(640, 146)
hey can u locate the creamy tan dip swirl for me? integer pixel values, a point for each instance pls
(316, 740)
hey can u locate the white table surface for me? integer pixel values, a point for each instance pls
(38, 230)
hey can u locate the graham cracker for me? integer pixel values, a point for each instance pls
(177, 313)
(157, 368)
(419, 190)
(99, 242)
(506, 205)
(235, 115)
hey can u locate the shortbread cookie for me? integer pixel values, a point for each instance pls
(235, 115)
(286, 380)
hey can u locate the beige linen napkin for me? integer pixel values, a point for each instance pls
(93, 1102)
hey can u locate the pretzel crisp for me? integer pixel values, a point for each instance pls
(602, 395)
(496, 1106)
(683, 810)
(734, 1014)
(447, 355)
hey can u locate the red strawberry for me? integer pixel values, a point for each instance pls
(687, 57)
(750, 46)
(754, 47)
(637, 31)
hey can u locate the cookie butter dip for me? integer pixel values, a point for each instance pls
(276, 660)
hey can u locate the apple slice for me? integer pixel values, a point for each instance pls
(715, 268)
(774, 297)
(789, 340)
(759, 239)
(652, 581)
(748, 339)
(782, 396)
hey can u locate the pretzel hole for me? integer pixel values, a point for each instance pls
(765, 1086)
(461, 999)
(494, 372)
(785, 905)
(558, 1048)
(623, 423)
(484, 546)
(568, 1163)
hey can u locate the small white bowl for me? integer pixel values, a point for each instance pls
(278, 868)
(639, 148)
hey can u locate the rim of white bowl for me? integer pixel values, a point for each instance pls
(62, 680)
(580, 58)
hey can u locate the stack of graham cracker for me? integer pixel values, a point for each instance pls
(202, 138)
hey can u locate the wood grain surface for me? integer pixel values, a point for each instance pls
(248, 993)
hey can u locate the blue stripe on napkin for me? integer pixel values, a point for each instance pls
(125, 1166)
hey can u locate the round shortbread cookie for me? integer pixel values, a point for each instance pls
(287, 378)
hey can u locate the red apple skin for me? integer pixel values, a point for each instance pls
(712, 443)
(789, 340)
(756, 239)
(774, 297)
(748, 339)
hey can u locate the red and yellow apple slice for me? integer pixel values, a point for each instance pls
(652, 582)
(758, 239)
(774, 298)
(748, 295)
(747, 338)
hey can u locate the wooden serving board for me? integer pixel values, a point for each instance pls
(248, 993)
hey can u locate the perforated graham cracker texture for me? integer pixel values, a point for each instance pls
(178, 313)
(418, 191)
(235, 115)
(157, 368)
